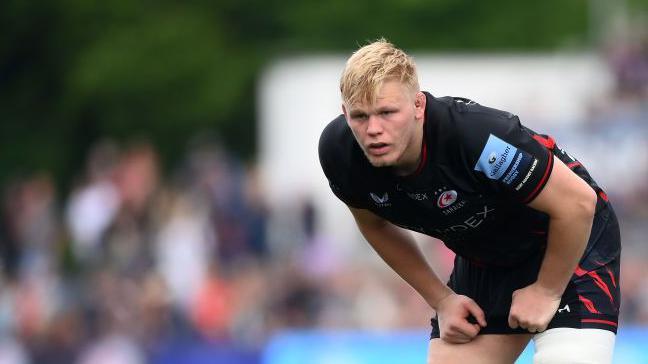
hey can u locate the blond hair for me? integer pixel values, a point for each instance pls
(373, 65)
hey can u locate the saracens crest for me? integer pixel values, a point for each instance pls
(447, 198)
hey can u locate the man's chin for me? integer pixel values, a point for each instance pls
(379, 161)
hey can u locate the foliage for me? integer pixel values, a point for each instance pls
(73, 71)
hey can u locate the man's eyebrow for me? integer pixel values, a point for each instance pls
(357, 113)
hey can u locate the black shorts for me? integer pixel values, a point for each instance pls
(591, 299)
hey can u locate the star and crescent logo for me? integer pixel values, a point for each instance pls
(447, 198)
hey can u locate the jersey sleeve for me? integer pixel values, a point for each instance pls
(502, 155)
(335, 157)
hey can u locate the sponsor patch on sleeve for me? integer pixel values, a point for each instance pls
(528, 174)
(520, 163)
(502, 161)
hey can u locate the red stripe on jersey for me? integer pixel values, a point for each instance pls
(603, 196)
(611, 323)
(580, 271)
(588, 304)
(547, 141)
(599, 282)
(542, 181)
(573, 165)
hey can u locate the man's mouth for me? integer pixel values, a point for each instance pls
(378, 149)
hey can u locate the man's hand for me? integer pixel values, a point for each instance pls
(532, 308)
(453, 312)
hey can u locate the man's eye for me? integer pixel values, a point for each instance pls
(386, 112)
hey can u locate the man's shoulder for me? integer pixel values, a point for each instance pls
(334, 132)
(464, 119)
(336, 145)
(343, 162)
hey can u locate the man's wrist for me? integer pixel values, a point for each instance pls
(550, 289)
(434, 303)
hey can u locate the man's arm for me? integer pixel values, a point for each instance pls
(400, 251)
(570, 203)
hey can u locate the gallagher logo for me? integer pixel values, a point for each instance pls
(447, 198)
(492, 158)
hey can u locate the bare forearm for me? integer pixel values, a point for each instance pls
(567, 240)
(399, 250)
(570, 204)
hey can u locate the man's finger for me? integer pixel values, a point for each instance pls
(477, 312)
(468, 329)
(538, 328)
(513, 322)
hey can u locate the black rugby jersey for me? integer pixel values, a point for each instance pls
(479, 168)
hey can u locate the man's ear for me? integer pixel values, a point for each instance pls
(419, 102)
(345, 112)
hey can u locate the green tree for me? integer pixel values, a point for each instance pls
(73, 71)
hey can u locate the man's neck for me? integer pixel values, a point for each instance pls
(412, 156)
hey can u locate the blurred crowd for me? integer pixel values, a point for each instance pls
(131, 263)
(128, 264)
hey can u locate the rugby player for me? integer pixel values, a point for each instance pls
(536, 239)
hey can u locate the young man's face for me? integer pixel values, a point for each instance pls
(388, 130)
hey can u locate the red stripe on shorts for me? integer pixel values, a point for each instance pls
(611, 276)
(588, 304)
(599, 282)
(580, 271)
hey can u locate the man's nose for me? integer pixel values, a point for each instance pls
(374, 126)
